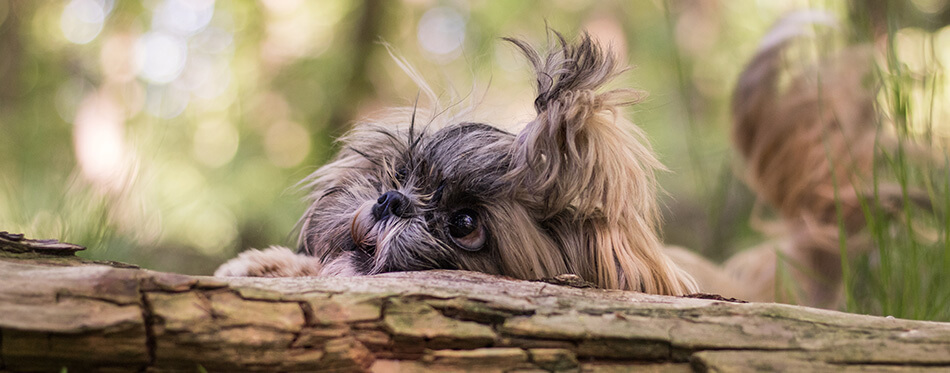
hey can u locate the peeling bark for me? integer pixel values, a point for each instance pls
(60, 311)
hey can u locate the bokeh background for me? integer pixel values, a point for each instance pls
(171, 133)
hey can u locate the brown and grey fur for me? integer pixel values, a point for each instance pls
(574, 191)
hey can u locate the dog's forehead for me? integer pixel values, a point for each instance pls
(467, 150)
(465, 139)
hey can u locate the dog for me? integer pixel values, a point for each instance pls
(807, 140)
(575, 192)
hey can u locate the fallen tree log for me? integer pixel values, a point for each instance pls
(59, 311)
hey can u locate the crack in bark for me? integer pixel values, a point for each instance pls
(67, 295)
(492, 316)
(206, 305)
(150, 342)
(928, 364)
(308, 316)
(776, 316)
(308, 321)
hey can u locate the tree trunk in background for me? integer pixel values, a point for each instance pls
(366, 32)
(57, 311)
(11, 56)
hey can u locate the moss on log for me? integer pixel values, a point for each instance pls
(59, 311)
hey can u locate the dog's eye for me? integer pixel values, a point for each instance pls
(466, 230)
(401, 174)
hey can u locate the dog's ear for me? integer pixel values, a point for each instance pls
(580, 155)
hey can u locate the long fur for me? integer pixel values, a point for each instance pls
(579, 155)
(575, 192)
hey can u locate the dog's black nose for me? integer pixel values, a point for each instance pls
(391, 202)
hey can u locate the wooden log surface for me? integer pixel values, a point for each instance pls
(59, 311)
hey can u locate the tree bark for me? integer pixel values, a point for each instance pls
(60, 311)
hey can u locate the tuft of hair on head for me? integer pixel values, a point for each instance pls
(581, 156)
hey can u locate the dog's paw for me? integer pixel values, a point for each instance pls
(274, 261)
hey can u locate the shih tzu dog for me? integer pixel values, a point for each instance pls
(573, 192)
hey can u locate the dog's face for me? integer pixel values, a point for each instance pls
(571, 193)
(401, 201)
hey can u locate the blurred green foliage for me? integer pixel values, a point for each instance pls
(170, 134)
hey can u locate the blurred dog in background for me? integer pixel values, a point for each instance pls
(807, 139)
(574, 191)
